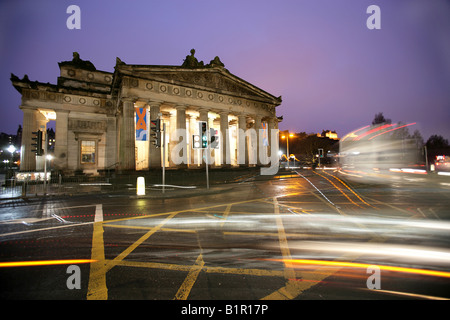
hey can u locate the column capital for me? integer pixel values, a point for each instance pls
(154, 103)
(27, 108)
(203, 109)
(132, 99)
(180, 106)
(203, 114)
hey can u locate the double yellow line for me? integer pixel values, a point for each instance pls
(347, 187)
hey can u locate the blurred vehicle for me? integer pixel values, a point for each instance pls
(442, 163)
(375, 152)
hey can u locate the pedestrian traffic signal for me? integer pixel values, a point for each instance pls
(196, 142)
(202, 126)
(155, 127)
(37, 136)
(214, 134)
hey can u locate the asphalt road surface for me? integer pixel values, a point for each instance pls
(301, 235)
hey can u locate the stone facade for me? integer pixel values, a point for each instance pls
(95, 114)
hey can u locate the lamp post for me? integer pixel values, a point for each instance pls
(287, 146)
(11, 149)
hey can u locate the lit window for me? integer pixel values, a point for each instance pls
(87, 151)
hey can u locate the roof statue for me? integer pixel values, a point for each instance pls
(216, 62)
(191, 61)
(78, 63)
(119, 61)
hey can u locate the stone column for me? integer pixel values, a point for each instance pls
(257, 128)
(111, 143)
(28, 157)
(171, 144)
(181, 129)
(41, 122)
(127, 154)
(225, 141)
(61, 137)
(242, 157)
(154, 153)
(269, 135)
(273, 143)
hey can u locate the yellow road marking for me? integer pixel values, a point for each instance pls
(350, 189)
(188, 283)
(124, 226)
(334, 185)
(225, 214)
(207, 269)
(127, 251)
(97, 289)
(289, 291)
(290, 207)
(326, 202)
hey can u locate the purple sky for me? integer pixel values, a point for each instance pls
(330, 69)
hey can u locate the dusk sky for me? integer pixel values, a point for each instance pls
(330, 69)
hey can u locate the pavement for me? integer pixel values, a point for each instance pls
(179, 183)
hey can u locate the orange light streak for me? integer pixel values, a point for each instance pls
(353, 133)
(294, 262)
(43, 263)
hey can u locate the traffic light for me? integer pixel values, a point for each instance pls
(214, 138)
(37, 136)
(196, 141)
(203, 134)
(155, 127)
(320, 153)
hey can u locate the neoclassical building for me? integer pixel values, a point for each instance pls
(102, 119)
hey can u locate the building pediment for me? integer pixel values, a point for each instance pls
(194, 74)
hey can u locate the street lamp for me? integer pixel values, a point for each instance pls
(287, 145)
(11, 149)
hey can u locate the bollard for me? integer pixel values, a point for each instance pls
(140, 186)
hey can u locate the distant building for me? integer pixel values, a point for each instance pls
(100, 116)
(328, 134)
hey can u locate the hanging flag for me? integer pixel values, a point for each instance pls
(141, 124)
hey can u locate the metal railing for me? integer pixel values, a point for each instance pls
(55, 185)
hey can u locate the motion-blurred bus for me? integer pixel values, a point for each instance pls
(376, 151)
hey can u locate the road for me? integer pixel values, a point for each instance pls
(299, 235)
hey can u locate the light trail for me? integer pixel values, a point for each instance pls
(341, 264)
(44, 263)
(372, 131)
(406, 125)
